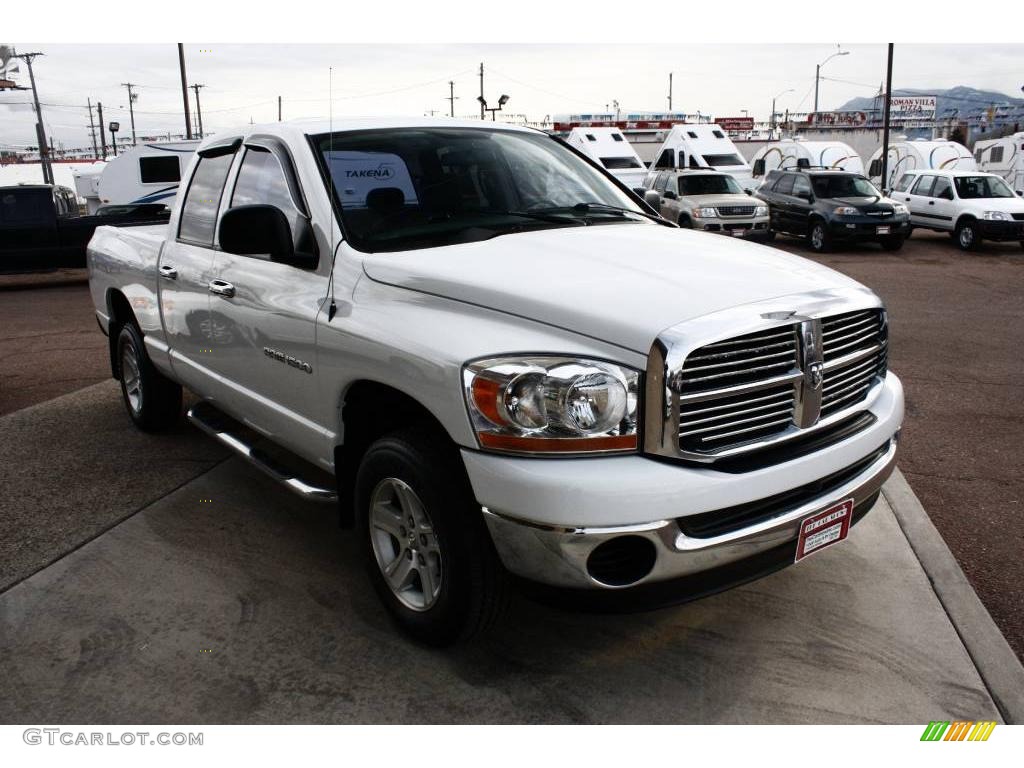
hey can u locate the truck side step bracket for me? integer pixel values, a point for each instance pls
(307, 481)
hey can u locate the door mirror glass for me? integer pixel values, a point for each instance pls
(670, 195)
(652, 198)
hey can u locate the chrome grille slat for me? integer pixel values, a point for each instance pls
(859, 336)
(751, 338)
(789, 354)
(832, 329)
(776, 396)
(719, 355)
(787, 421)
(862, 381)
(726, 375)
(866, 367)
(772, 408)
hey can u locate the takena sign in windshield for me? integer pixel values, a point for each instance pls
(356, 174)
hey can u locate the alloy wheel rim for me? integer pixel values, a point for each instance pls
(818, 236)
(966, 236)
(405, 545)
(130, 378)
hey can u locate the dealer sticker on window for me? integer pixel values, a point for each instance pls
(824, 528)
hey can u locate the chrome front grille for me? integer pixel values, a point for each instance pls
(713, 413)
(758, 388)
(855, 353)
(736, 210)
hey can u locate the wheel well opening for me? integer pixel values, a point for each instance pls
(120, 313)
(369, 411)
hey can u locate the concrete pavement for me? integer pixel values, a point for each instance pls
(230, 601)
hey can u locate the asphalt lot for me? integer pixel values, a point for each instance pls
(956, 327)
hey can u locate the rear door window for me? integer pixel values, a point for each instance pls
(199, 210)
(784, 186)
(22, 206)
(904, 183)
(942, 188)
(801, 186)
(924, 186)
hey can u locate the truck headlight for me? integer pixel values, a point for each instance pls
(761, 210)
(550, 404)
(900, 209)
(995, 216)
(845, 210)
(704, 213)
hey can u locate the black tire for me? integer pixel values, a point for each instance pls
(685, 222)
(152, 400)
(818, 236)
(471, 591)
(892, 243)
(966, 234)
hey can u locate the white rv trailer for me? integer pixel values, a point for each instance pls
(608, 148)
(148, 173)
(790, 154)
(703, 145)
(919, 155)
(87, 184)
(1004, 156)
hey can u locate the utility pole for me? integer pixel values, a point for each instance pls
(131, 107)
(103, 133)
(279, 109)
(184, 90)
(451, 98)
(885, 120)
(92, 131)
(483, 104)
(669, 91)
(44, 151)
(199, 110)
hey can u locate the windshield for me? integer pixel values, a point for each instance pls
(716, 161)
(709, 184)
(844, 186)
(406, 188)
(620, 162)
(974, 187)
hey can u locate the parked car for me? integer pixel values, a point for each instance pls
(971, 206)
(831, 206)
(41, 227)
(479, 346)
(709, 201)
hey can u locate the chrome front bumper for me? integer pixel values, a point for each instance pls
(557, 556)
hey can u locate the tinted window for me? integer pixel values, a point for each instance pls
(975, 187)
(905, 182)
(709, 184)
(844, 186)
(661, 182)
(199, 211)
(261, 181)
(719, 160)
(801, 186)
(718, 134)
(617, 137)
(942, 188)
(159, 170)
(924, 186)
(997, 155)
(665, 160)
(25, 205)
(784, 186)
(620, 162)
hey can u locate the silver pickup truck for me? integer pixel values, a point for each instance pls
(500, 366)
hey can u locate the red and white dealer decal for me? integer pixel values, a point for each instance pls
(825, 528)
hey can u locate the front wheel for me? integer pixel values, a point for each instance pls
(427, 550)
(821, 241)
(967, 235)
(153, 401)
(892, 243)
(685, 222)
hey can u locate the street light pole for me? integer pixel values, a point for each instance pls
(771, 131)
(817, 74)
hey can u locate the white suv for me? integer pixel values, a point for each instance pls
(969, 205)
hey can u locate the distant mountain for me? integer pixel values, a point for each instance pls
(963, 98)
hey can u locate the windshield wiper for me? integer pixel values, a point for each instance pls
(603, 208)
(549, 215)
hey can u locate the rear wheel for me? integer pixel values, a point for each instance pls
(892, 243)
(427, 550)
(684, 222)
(819, 237)
(967, 235)
(153, 401)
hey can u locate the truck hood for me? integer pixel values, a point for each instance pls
(620, 283)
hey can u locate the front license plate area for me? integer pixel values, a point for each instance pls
(824, 529)
(882, 231)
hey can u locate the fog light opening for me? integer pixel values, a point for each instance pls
(622, 561)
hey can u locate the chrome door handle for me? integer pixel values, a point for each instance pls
(222, 288)
(168, 272)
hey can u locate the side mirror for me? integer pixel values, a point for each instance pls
(670, 195)
(749, 191)
(652, 198)
(639, 192)
(255, 230)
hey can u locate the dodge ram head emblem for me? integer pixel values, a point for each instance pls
(815, 374)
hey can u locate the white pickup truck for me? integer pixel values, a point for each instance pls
(499, 366)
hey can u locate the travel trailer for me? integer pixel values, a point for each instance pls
(87, 184)
(791, 154)
(1004, 156)
(919, 155)
(702, 146)
(148, 173)
(608, 148)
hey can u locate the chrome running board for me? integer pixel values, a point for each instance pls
(219, 426)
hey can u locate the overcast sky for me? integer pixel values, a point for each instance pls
(243, 80)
